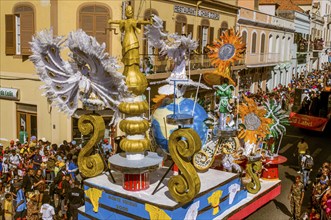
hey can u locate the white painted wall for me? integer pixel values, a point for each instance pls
(268, 9)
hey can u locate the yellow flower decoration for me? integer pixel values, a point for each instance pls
(253, 118)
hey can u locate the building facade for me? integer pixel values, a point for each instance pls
(21, 103)
(268, 55)
(300, 52)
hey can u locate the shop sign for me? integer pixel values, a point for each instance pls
(192, 11)
(9, 93)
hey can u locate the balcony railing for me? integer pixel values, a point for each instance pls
(302, 48)
(161, 64)
(262, 58)
(318, 45)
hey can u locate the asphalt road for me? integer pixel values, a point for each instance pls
(320, 148)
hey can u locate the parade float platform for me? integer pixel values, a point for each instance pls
(115, 203)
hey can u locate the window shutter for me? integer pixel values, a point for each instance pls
(165, 26)
(211, 35)
(178, 28)
(10, 35)
(200, 38)
(27, 31)
(190, 28)
(100, 34)
(86, 23)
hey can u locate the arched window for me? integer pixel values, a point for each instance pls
(181, 24)
(93, 19)
(20, 27)
(254, 42)
(244, 37)
(205, 34)
(277, 44)
(271, 43)
(288, 48)
(224, 27)
(262, 48)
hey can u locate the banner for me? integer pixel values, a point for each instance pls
(308, 122)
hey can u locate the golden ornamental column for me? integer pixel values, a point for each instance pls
(135, 127)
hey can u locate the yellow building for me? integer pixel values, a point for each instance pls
(21, 103)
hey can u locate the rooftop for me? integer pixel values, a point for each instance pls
(283, 4)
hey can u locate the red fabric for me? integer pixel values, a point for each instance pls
(253, 206)
(308, 122)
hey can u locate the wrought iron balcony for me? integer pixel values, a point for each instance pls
(302, 46)
(318, 44)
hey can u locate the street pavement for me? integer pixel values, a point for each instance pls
(320, 148)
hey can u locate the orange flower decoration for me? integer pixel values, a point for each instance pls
(253, 118)
(226, 50)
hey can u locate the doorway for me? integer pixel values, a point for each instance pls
(26, 117)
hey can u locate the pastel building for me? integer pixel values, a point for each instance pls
(268, 54)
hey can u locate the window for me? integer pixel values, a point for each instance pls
(262, 43)
(224, 27)
(93, 19)
(205, 35)
(288, 48)
(181, 24)
(19, 30)
(244, 37)
(271, 39)
(26, 121)
(262, 48)
(253, 43)
(277, 44)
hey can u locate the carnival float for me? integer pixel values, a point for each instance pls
(220, 152)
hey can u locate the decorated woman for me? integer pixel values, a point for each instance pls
(39, 185)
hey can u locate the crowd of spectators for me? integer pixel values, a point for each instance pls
(37, 179)
(321, 194)
(312, 84)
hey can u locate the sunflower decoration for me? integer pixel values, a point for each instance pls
(254, 120)
(226, 50)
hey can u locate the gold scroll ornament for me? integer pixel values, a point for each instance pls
(183, 144)
(91, 165)
(136, 82)
(253, 169)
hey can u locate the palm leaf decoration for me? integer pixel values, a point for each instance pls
(279, 118)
